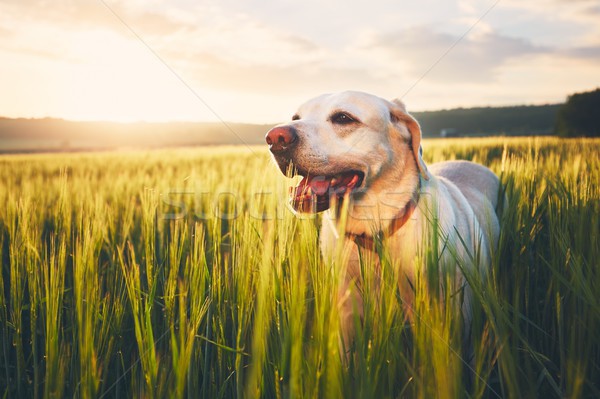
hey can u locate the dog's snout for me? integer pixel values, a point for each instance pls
(281, 138)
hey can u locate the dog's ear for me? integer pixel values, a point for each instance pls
(399, 114)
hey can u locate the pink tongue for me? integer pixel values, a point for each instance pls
(319, 185)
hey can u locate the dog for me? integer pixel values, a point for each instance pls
(356, 146)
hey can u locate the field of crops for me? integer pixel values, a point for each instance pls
(182, 273)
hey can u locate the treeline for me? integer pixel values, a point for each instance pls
(48, 134)
(580, 115)
(486, 121)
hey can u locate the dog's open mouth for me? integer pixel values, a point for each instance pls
(314, 193)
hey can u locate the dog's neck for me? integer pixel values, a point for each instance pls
(368, 241)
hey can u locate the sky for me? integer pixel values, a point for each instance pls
(256, 60)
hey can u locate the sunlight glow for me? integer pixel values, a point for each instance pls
(121, 80)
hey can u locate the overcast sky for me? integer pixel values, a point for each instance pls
(256, 61)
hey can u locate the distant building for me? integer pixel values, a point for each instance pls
(449, 132)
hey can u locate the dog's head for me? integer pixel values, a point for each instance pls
(342, 144)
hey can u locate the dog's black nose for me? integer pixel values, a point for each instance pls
(281, 138)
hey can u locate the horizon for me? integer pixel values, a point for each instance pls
(24, 134)
(251, 62)
(220, 122)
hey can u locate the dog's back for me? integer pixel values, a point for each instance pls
(469, 177)
(480, 187)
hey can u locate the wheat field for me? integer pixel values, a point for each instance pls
(181, 273)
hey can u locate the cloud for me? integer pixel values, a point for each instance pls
(593, 9)
(582, 13)
(67, 13)
(211, 71)
(247, 41)
(233, 36)
(450, 57)
(236, 53)
(78, 15)
(589, 53)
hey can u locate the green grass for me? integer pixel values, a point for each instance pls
(181, 273)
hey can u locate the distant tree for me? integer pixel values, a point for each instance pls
(580, 115)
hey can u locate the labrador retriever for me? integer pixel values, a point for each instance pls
(361, 147)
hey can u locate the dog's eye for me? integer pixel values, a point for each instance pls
(342, 118)
(295, 117)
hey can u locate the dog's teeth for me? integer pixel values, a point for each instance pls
(308, 191)
(334, 181)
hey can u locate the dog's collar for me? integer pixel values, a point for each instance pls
(368, 241)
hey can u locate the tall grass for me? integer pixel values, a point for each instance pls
(181, 273)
